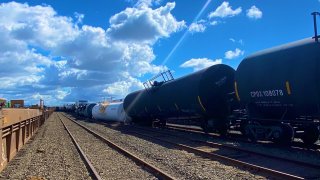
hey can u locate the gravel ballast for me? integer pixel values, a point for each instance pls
(177, 163)
(108, 162)
(50, 154)
(311, 156)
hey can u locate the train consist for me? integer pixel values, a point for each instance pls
(106, 111)
(272, 95)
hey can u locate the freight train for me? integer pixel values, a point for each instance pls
(272, 95)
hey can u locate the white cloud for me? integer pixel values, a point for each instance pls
(61, 94)
(79, 17)
(213, 23)
(196, 27)
(200, 63)
(82, 58)
(254, 13)
(128, 24)
(233, 54)
(19, 81)
(36, 25)
(240, 41)
(147, 3)
(122, 88)
(224, 10)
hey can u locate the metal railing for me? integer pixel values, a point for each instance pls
(166, 76)
(16, 132)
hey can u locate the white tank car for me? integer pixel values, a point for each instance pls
(110, 112)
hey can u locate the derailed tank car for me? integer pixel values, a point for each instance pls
(81, 109)
(202, 95)
(88, 110)
(280, 89)
(110, 112)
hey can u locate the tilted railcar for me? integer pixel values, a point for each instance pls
(88, 110)
(112, 111)
(202, 95)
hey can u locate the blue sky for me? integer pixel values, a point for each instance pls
(64, 51)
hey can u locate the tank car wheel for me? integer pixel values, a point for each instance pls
(243, 125)
(310, 135)
(162, 123)
(205, 126)
(223, 130)
(286, 136)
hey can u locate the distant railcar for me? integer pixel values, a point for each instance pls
(110, 112)
(88, 110)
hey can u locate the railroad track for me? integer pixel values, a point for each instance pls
(236, 148)
(145, 165)
(93, 172)
(294, 145)
(238, 157)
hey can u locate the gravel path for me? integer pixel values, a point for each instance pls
(50, 154)
(108, 162)
(177, 163)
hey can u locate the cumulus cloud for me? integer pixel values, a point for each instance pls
(196, 27)
(58, 58)
(233, 54)
(200, 63)
(123, 87)
(144, 24)
(147, 3)
(254, 13)
(36, 25)
(19, 81)
(224, 10)
(213, 23)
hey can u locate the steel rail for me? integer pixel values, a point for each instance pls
(156, 171)
(300, 147)
(225, 159)
(218, 145)
(90, 167)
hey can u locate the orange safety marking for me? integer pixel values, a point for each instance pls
(236, 90)
(204, 109)
(288, 87)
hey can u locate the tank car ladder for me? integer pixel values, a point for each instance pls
(166, 77)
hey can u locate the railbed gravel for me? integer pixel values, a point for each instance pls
(178, 163)
(302, 154)
(49, 154)
(108, 162)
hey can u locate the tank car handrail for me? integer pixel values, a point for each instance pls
(166, 76)
(314, 14)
